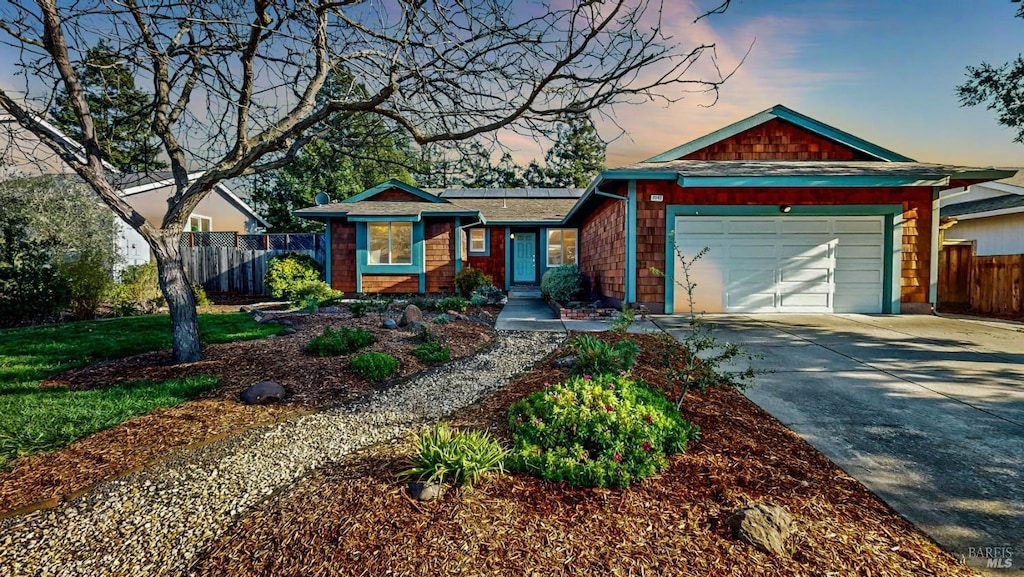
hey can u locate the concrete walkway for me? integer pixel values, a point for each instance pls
(533, 314)
(927, 412)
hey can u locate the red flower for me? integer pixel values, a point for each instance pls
(618, 458)
(646, 446)
(609, 408)
(586, 377)
(649, 419)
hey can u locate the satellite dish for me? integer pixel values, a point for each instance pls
(321, 198)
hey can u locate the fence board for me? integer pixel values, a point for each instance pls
(955, 272)
(997, 285)
(240, 271)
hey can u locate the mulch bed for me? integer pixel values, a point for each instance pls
(311, 382)
(356, 518)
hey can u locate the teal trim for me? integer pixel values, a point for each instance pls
(892, 242)
(458, 245)
(423, 282)
(390, 184)
(610, 195)
(630, 271)
(327, 255)
(362, 256)
(810, 181)
(487, 241)
(780, 111)
(626, 174)
(508, 257)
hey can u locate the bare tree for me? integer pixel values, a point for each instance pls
(234, 85)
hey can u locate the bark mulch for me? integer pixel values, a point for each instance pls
(356, 519)
(311, 382)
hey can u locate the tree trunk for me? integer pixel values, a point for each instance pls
(180, 300)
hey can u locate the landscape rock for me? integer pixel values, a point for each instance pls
(565, 362)
(422, 492)
(486, 315)
(263, 393)
(285, 322)
(390, 324)
(245, 309)
(411, 314)
(289, 331)
(765, 526)
(331, 309)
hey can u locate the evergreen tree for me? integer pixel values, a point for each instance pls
(120, 112)
(577, 155)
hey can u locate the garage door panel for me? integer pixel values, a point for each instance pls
(784, 264)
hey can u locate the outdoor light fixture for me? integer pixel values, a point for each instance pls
(785, 208)
(512, 236)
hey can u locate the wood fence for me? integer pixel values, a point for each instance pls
(233, 270)
(988, 285)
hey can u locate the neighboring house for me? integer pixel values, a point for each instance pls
(989, 215)
(798, 216)
(22, 154)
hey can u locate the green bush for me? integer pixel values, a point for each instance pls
(442, 319)
(30, 286)
(137, 290)
(199, 293)
(374, 366)
(491, 294)
(362, 306)
(431, 352)
(287, 272)
(457, 304)
(332, 343)
(317, 290)
(596, 357)
(469, 279)
(563, 284)
(477, 300)
(89, 282)
(603, 431)
(462, 457)
(424, 303)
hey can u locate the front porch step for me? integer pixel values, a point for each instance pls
(524, 292)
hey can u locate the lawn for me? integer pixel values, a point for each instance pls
(34, 418)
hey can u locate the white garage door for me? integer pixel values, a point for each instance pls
(783, 264)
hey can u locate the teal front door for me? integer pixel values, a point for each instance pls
(525, 257)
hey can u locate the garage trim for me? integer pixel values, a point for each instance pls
(893, 241)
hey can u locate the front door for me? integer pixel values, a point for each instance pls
(525, 257)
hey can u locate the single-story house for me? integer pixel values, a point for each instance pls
(798, 216)
(22, 154)
(989, 215)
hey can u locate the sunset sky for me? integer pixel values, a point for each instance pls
(881, 69)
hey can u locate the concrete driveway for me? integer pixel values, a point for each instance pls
(928, 412)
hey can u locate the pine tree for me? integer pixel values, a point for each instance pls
(577, 155)
(120, 112)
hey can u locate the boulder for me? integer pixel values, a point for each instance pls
(565, 362)
(766, 526)
(411, 314)
(390, 324)
(422, 492)
(263, 393)
(289, 331)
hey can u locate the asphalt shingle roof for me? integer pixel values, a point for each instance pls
(984, 205)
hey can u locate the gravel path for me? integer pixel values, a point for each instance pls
(157, 521)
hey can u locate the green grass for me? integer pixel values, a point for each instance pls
(35, 419)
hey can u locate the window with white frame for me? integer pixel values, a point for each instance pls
(562, 246)
(199, 223)
(390, 243)
(478, 240)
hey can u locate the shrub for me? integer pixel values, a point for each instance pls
(374, 366)
(457, 304)
(424, 303)
(360, 307)
(137, 290)
(314, 290)
(462, 457)
(442, 319)
(603, 431)
(287, 272)
(596, 357)
(491, 293)
(469, 279)
(343, 341)
(89, 283)
(562, 284)
(477, 300)
(200, 294)
(431, 352)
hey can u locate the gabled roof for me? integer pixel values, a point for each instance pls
(394, 184)
(781, 112)
(133, 183)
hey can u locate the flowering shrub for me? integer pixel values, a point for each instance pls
(600, 431)
(596, 357)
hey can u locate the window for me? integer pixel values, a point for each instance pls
(198, 223)
(561, 246)
(390, 243)
(478, 240)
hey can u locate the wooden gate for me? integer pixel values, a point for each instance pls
(955, 272)
(233, 270)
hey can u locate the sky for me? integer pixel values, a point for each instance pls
(883, 70)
